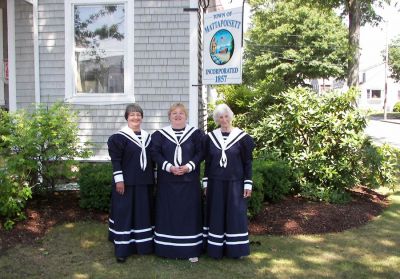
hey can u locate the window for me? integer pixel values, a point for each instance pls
(99, 52)
(374, 94)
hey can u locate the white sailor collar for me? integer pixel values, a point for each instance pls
(169, 133)
(129, 134)
(216, 137)
(143, 143)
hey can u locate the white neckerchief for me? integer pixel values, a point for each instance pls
(169, 133)
(143, 143)
(216, 137)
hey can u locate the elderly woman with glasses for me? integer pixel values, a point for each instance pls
(227, 185)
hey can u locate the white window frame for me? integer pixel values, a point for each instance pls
(101, 98)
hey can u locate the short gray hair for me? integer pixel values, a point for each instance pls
(221, 109)
(133, 108)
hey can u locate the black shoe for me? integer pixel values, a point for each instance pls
(121, 259)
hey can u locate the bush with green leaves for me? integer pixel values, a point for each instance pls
(380, 165)
(13, 198)
(278, 179)
(256, 200)
(94, 181)
(37, 148)
(42, 144)
(322, 138)
(396, 107)
(272, 181)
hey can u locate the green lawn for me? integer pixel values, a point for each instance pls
(81, 250)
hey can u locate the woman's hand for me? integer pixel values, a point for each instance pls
(181, 170)
(247, 193)
(120, 187)
(175, 170)
(184, 169)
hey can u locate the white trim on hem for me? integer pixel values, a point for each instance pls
(133, 240)
(129, 232)
(227, 242)
(178, 244)
(178, 236)
(228, 235)
(216, 235)
(236, 234)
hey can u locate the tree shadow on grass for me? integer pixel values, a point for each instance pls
(81, 250)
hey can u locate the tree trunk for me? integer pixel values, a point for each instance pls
(354, 42)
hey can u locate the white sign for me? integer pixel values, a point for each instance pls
(222, 47)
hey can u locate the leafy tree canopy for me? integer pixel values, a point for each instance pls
(367, 7)
(359, 12)
(294, 43)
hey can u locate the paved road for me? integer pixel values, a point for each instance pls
(384, 132)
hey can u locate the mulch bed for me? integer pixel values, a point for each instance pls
(294, 215)
(43, 213)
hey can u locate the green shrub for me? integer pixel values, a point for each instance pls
(256, 200)
(36, 149)
(380, 165)
(325, 194)
(396, 107)
(41, 145)
(13, 197)
(320, 136)
(94, 181)
(278, 180)
(272, 181)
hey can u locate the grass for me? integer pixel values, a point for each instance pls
(81, 250)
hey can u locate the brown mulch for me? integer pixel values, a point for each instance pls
(294, 215)
(44, 213)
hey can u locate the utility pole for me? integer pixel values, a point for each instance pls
(386, 66)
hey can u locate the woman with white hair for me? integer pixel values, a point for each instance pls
(227, 184)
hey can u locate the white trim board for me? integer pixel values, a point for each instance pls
(12, 75)
(193, 71)
(36, 56)
(2, 73)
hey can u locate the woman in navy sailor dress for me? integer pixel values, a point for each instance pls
(227, 184)
(177, 151)
(131, 214)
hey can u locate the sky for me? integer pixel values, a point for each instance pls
(373, 39)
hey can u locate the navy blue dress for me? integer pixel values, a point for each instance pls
(228, 171)
(131, 219)
(178, 225)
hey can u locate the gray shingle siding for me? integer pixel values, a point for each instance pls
(24, 64)
(51, 50)
(161, 59)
